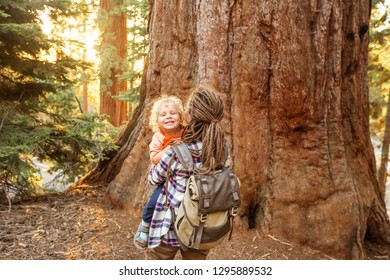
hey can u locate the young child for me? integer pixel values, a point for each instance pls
(166, 121)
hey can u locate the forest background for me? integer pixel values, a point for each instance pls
(71, 77)
(62, 78)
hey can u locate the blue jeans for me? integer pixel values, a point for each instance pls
(147, 213)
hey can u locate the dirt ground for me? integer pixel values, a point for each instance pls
(78, 224)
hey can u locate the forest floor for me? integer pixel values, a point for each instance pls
(79, 224)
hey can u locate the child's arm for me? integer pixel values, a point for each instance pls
(155, 148)
(158, 173)
(156, 153)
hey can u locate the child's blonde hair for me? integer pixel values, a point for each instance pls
(157, 108)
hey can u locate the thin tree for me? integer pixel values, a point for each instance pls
(113, 55)
(382, 173)
(84, 75)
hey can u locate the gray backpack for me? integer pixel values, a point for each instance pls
(205, 215)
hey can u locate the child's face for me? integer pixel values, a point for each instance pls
(169, 119)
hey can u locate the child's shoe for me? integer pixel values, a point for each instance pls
(141, 237)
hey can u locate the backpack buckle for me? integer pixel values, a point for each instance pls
(234, 211)
(203, 218)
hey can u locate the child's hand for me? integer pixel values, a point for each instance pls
(175, 142)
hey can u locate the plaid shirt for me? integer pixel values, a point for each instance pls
(161, 228)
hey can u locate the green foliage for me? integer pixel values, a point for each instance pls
(39, 116)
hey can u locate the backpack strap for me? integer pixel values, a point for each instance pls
(184, 155)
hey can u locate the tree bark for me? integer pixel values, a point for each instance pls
(293, 79)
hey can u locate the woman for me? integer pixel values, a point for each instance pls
(205, 139)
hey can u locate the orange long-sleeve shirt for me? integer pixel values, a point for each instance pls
(159, 145)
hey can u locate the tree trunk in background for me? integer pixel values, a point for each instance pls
(85, 97)
(293, 78)
(382, 173)
(85, 76)
(113, 54)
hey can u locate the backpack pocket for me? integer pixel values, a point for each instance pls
(216, 231)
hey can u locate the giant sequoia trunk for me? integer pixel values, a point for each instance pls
(293, 79)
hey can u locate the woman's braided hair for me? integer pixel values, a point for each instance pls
(206, 111)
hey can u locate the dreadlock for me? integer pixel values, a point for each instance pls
(206, 111)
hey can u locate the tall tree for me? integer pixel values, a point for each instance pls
(293, 79)
(113, 55)
(137, 13)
